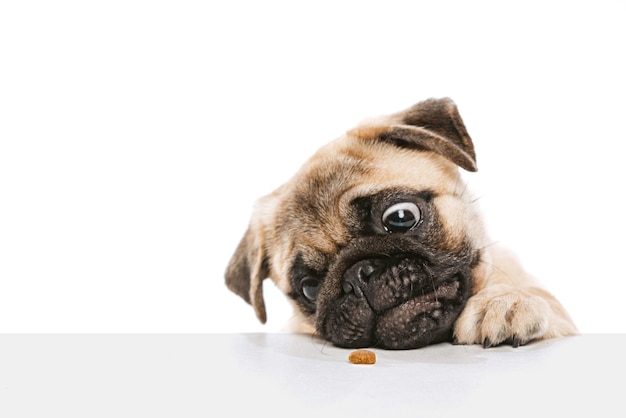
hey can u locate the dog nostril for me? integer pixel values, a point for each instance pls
(365, 271)
(356, 278)
(352, 285)
(347, 287)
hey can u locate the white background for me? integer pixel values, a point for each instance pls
(136, 136)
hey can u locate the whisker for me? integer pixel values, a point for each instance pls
(489, 245)
(434, 289)
(499, 269)
(476, 199)
(315, 335)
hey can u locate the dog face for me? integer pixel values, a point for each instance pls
(374, 239)
(397, 279)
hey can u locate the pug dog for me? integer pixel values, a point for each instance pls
(377, 242)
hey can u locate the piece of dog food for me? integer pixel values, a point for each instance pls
(362, 357)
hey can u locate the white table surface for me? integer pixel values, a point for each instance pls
(214, 375)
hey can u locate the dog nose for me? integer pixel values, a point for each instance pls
(356, 277)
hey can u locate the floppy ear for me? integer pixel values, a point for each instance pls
(247, 269)
(433, 124)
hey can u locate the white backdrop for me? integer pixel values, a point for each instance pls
(135, 137)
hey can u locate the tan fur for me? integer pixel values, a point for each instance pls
(506, 301)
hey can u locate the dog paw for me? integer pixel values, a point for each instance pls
(504, 315)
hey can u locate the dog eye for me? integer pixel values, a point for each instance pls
(401, 217)
(310, 287)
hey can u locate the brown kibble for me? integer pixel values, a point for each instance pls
(362, 356)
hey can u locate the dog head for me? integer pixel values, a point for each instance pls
(374, 240)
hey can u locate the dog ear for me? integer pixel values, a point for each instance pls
(433, 124)
(247, 269)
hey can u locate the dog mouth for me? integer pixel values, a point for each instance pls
(395, 302)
